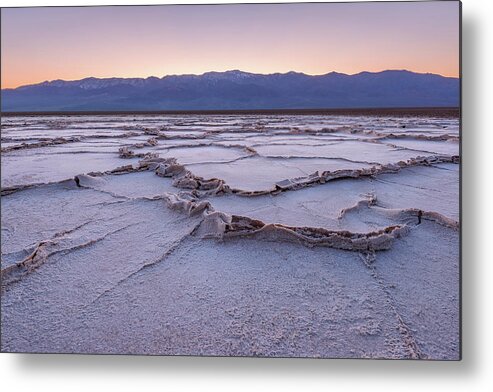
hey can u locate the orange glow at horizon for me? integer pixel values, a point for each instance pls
(72, 43)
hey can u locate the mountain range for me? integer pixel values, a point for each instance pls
(237, 90)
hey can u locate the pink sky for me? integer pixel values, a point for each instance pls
(75, 42)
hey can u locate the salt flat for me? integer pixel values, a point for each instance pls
(258, 235)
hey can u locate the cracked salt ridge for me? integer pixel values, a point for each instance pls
(322, 205)
(259, 179)
(266, 174)
(220, 225)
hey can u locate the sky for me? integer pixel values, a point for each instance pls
(71, 43)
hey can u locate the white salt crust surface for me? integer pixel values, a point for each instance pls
(189, 242)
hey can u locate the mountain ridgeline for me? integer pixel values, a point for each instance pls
(237, 90)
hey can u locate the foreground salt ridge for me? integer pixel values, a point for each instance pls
(195, 201)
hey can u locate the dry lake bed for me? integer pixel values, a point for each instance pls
(244, 235)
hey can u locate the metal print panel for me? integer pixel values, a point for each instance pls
(272, 180)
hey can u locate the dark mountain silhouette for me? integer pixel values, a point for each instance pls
(236, 90)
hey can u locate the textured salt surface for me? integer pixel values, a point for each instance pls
(309, 236)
